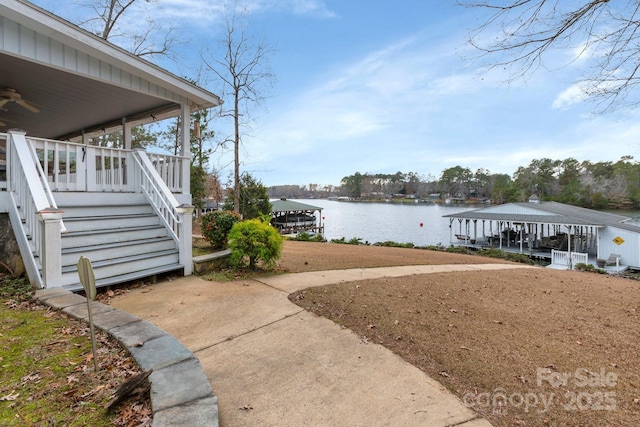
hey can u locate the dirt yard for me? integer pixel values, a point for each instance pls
(531, 347)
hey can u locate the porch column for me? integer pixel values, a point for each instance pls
(51, 247)
(450, 230)
(126, 134)
(185, 151)
(130, 172)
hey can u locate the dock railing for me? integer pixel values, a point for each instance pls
(570, 259)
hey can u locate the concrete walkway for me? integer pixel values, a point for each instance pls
(270, 363)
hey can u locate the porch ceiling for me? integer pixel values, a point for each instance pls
(68, 103)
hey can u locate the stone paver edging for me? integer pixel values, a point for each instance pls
(181, 394)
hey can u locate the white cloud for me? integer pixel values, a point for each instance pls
(574, 94)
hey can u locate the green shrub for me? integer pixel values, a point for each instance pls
(254, 241)
(492, 253)
(581, 266)
(306, 237)
(521, 258)
(353, 241)
(217, 225)
(390, 244)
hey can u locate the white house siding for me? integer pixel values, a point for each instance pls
(629, 250)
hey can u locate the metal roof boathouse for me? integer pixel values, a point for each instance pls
(562, 234)
(291, 217)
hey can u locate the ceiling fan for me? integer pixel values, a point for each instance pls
(11, 95)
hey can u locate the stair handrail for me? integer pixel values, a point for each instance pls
(29, 196)
(162, 200)
(43, 180)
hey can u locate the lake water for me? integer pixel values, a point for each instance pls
(380, 222)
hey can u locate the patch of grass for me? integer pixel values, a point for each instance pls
(46, 366)
(15, 289)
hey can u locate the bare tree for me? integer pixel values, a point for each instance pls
(245, 73)
(519, 35)
(145, 40)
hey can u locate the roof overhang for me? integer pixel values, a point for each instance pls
(524, 219)
(80, 83)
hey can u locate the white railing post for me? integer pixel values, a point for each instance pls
(51, 246)
(185, 182)
(186, 231)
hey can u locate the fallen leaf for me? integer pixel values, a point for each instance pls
(10, 396)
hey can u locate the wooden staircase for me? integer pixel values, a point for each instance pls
(119, 232)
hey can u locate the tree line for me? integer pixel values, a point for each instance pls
(596, 185)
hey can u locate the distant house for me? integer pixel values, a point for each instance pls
(210, 206)
(565, 234)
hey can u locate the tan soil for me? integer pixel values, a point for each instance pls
(489, 336)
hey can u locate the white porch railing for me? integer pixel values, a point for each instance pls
(570, 259)
(71, 166)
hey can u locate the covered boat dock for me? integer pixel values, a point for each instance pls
(559, 234)
(291, 217)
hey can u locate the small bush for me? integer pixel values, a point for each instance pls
(254, 241)
(459, 250)
(217, 225)
(581, 266)
(492, 253)
(306, 237)
(521, 258)
(353, 241)
(390, 244)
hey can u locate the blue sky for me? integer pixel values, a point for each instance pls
(378, 86)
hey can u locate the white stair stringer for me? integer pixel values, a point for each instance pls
(121, 235)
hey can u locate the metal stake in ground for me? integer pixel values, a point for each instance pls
(88, 280)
